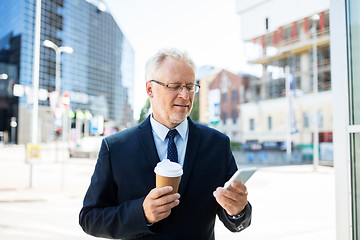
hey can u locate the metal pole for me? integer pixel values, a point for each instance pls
(288, 132)
(13, 125)
(315, 89)
(31, 178)
(58, 51)
(58, 87)
(36, 62)
(58, 71)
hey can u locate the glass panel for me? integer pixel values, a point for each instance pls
(354, 101)
(354, 20)
(355, 158)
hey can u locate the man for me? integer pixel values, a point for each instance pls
(122, 201)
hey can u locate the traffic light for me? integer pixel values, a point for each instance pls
(58, 131)
(66, 99)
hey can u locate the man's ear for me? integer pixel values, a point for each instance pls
(149, 89)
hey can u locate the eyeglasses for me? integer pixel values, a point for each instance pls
(178, 87)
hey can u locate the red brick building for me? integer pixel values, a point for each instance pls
(229, 89)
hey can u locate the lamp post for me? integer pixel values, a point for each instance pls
(3, 76)
(58, 51)
(36, 66)
(315, 18)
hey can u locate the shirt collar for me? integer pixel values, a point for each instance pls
(162, 131)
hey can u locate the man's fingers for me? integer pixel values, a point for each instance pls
(158, 204)
(232, 193)
(162, 215)
(239, 187)
(158, 192)
(167, 207)
(236, 189)
(160, 212)
(230, 200)
(225, 196)
(167, 199)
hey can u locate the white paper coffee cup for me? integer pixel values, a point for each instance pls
(168, 174)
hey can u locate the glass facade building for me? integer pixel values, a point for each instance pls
(99, 74)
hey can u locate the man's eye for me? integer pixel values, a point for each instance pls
(175, 86)
(190, 88)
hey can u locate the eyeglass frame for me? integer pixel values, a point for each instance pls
(196, 86)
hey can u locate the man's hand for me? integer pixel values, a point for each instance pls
(234, 199)
(157, 205)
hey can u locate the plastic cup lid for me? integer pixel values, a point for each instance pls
(167, 168)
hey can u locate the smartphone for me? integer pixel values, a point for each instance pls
(241, 175)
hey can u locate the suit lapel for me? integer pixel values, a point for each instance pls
(190, 155)
(146, 139)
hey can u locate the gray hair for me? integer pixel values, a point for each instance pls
(154, 63)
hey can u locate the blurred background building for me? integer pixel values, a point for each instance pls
(276, 39)
(277, 109)
(291, 46)
(220, 96)
(98, 76)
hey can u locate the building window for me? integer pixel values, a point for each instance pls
(269, 123)
(224, 117)
(234, 96)
(321, 119)
(266, 23)
(234, 116)
(252, 124)
(306, 120)
(224, 97)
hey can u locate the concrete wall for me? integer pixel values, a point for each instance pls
(279, 13)
(46, 125)
(277, 109)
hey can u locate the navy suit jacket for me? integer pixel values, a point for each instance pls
(124, 175)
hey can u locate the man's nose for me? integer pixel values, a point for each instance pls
(184, 93)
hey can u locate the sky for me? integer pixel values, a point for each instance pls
(209, 30)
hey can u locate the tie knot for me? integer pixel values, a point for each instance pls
(172, 133)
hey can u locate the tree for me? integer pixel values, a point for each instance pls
(195, 110)
(144, 111)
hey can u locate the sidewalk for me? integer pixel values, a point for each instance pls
(289, 202)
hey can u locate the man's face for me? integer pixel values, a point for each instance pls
(170, 108)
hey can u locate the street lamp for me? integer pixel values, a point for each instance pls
(315, 18)
(3, 76)
(58, 51)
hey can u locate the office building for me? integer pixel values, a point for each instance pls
(280, 35)
(98, 75)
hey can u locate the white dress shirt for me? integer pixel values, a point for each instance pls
(161, 142)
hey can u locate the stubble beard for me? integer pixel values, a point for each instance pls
(173, 118)
(176, 118)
